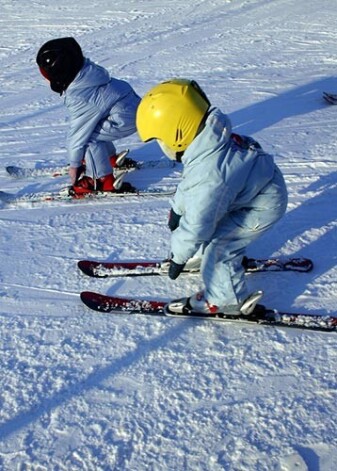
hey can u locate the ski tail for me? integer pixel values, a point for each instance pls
(299, 264)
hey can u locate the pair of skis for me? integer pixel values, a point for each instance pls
(261, 315)
(63, 196)
(60, 171)
(21, 199)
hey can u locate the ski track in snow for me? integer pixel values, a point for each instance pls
(87, 391)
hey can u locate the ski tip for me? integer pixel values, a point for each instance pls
(84, 294)
(5, 197)
(85, 297)
(112, 304)
(13, 171)
(85, 267)
(93, 300)
(89, 268)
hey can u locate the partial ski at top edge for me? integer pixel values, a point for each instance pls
(262, 316)
(26, 172)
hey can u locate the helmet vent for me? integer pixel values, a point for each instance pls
(179, 135)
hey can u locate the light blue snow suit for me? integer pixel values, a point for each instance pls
(228, 196)
(101, 109)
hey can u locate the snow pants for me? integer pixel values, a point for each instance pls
(221, 266)
(97, 158)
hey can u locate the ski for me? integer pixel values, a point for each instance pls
(26, 172)
(63, 196)
(330, 98)
(261, 315)
(59, 171)
(100, 269)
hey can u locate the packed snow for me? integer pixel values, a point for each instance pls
(82, 390)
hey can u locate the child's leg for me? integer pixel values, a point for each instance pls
(222, 269)
(97, 159)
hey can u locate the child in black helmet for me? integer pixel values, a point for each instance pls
(101, 109)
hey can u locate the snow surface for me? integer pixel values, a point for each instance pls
(88, 391)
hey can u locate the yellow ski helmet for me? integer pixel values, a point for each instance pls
(172, 112)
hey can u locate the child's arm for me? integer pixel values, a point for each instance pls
(83, 120)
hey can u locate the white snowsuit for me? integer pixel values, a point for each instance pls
(101, 109)
(229, 195)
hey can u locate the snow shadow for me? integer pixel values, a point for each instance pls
(313, 222)
(294, 102)
(18, 120)
(151, 176)
(316, 212)
(148, 151)
(94, 380)
(310, 457)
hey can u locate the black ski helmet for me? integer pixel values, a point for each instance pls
(60, 60)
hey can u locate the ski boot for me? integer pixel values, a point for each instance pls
(87, 185)
(122, 162)
(198, 306)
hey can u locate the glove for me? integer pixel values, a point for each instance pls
(175, 269)
(173, 221)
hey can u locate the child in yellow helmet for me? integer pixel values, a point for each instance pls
(230, 194)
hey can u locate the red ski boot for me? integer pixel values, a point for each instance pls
(109, 183)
